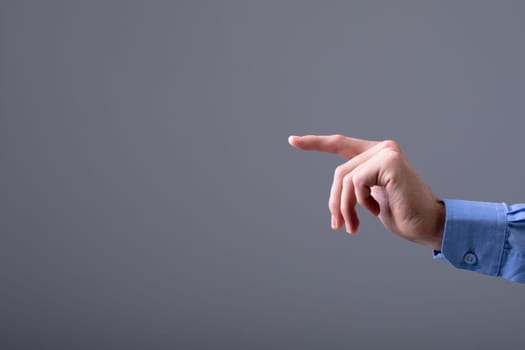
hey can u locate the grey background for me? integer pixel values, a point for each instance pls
(149, 199)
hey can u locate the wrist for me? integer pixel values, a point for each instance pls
(439, 226)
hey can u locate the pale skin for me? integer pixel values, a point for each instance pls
(378, 177)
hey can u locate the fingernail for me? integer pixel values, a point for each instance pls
(348, 229)
(333, 223)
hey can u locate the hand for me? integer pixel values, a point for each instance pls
(378, 177)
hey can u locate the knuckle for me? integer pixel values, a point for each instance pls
(357, 179)
(337, 138)
(337, 141)
(359, 186)
(348, 179)
(391, 161)
(392, 157)
(339, 173)
(392, 145)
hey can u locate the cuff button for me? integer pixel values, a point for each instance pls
(470, 258)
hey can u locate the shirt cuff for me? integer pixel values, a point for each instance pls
(474, 235)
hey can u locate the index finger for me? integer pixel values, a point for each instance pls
(343, 146)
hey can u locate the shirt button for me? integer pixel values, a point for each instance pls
(470, 258)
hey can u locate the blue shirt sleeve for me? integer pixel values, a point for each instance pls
(485, 237)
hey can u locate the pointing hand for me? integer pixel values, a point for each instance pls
(378, 177)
